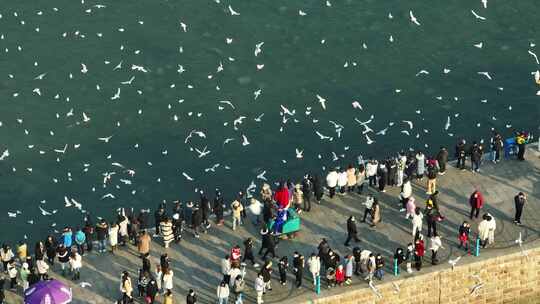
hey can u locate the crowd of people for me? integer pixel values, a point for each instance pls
(268, 211)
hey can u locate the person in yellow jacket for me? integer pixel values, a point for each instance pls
(237, 209)
(168, 298)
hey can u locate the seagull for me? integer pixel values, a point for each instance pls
(108, 195)
(287, 111)
(323, 137)
(357, 105)
(299, 154)
(258, 48)
(105, 139)
(535, 57)
(301, 13)
(484, 2)
(477, 16)
(479, 45)
(85, 117)
(409, 123)
(37, 91)
(116, 95)
(447, 125)
(128, 81)
(63, 151)
(258, 118)
(257, 93)
(233, 12)
(84, 70)
(446, 71)
(238, 121)
(413, 18)
(44, 212)
(85, 284)
(117, 165)
(40, 76)
(245, 141)
(203, 153)
(118, 66)
(76, 204)
(67, 202)
(139, 68)
(227, 103)
(213, 168)
(369, 141)
(382, 132)
(189, 178)
(261, 175)
(454, 262)
(181, 69)
(405, 132)
(485, 74)
(4, 154)
(227, 140)
(422, 72)
(322, 101)
(183, 26)
(12, 214)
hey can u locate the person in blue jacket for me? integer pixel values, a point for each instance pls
(80, 239)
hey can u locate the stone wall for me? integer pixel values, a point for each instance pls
(509, 278)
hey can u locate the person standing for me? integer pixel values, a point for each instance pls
(307, 190)
(166, 230)
(226, 268)
(361, 178)
(349, 267)
(102, 230)
(351, 231)
(318, 188)
(409, 257)
(205, 209)
(461, 154)
(382, 173)
(379, 267)
(89, 235)
(420, 164)
(314, 264)
(298, 198)
(476, 157)
(151, 290)
(6, 254)
(126, 288)
(521, 139)
(75, 262)
(351, 178)
(267, 275)
(519, 200)
(410, 207)
(419, 250)
(113, 236)
(371, 172)
(80, 240)
(442, 159)
(268, 243)
(236, 208)
(218, 208)
(435, 245)
(430, 214)
(12, 273)
(463, 235)
(298, 268)
(401, 162)
(371, 267)
(369, 205)
(238, 289)
(342, 181)
(283, 265)
(63, 257)
(476, 201)
(223, 293)
(432, 179)
(123, 232)
(42, 268)
(259, 288)
(332, 181)
(168, 297)
(497, 146)
(375, 213)
(144, 242)
(191, 297)
(168, 276)
(248, 252)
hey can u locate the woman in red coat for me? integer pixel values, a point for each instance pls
(419, 250)
(281, 196)
(340, 275)
(476, 201)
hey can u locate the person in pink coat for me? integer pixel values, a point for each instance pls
(411, 207)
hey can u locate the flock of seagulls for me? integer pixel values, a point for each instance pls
(109, 150)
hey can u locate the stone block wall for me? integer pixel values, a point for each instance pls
(509, 278)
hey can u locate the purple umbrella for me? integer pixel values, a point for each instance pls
(48, 292)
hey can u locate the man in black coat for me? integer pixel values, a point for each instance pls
(476, 157)
(351, 231)
(205, 209)
(218, 207)
(520, 199)
(442, 159)
(298, 268)
(307, 190)
(461, 154)
(158, 216)
(268, 243)
(196, 220)
(318, 188)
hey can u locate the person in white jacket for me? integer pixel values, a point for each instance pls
(435, 245)
(75, 263)
(406, 193)
(417, 219)
(314, 264)
(123, 223)
(332, 181)
(486, 230)
(371, 172)
(42, 268)
(342, 182)
(168, 280)
(223, 292)
(259, 288)
(113, 236)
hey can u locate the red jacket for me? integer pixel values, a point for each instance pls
(282, 197)
(419, 248)
(340, 275)
(476, 200)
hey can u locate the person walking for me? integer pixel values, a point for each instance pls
(431, 215)
(268, 243)
(191, 297)
(332, 182)
(519, 201)
(375, 213)
(368, 207)
(476, 201)
(298, 268)
(223, 293)
(238, 290)
(248, 252)
(351, 231)
(410, 207)
(442, 160)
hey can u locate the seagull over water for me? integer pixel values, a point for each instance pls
(413, 18)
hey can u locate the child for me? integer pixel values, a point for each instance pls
(331, 277)
(379, 265)
(463, 235)
(340, 275)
